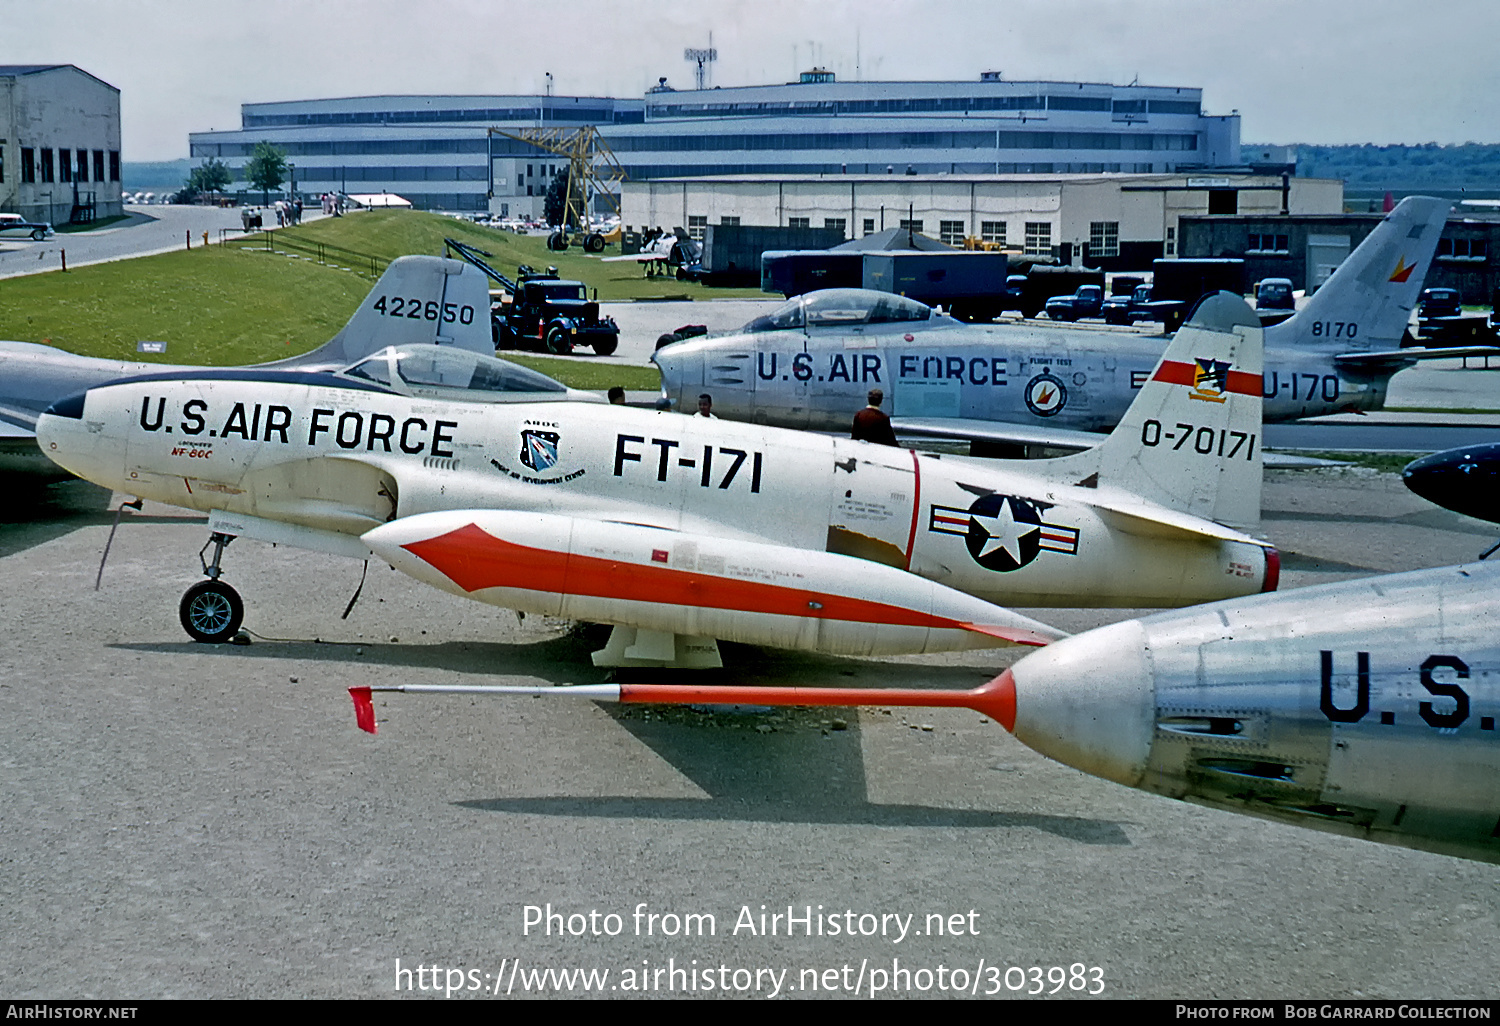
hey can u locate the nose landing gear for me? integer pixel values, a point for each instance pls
(211, 611)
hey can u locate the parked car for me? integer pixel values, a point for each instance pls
(1438, 303)
(12, 225)
(1274, 294)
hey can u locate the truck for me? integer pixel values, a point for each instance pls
(793, 272)
(555, 314)
(970, 286)
(1182, 281)
(1131, 307)
(539, 310)
(1088, 301)
(733, 254)
(1045, 281)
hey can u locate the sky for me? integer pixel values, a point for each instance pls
(1297, 71)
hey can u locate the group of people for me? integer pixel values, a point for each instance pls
(288, 212)
(870, 424)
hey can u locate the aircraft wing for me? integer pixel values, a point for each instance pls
(17, 422)
(639, 258)
(962, 429)
(1389, 357)
(967, 429)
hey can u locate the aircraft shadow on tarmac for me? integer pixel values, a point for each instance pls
(36, 513)
(800, 771)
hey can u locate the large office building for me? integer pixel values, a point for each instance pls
(59, 143)
(442, 152)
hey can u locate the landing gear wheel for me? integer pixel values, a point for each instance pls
(593, 243)
(211, 612)
(557, 242)
(558, 342)
(606, 345)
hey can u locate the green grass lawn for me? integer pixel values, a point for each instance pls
(237, 303)
(218, 306)
(391, 233)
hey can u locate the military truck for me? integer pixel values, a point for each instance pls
(552, 313)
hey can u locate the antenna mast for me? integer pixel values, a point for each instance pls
(704, 59)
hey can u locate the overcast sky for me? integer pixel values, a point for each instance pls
(1314, 71)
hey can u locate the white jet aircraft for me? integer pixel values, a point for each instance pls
(667, 254)
(419, 299)
(682, 530)
(809, 363)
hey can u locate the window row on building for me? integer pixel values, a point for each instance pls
(856, 141)
(48, 165)
(644, 172)
(918, 105)
(571, 115)
(447, 173)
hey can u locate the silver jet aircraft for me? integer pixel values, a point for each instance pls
(810, 363)
(419, 299)
(683, 530)
(1365, 708)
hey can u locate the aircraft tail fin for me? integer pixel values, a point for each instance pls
(1367, 302)
(1191, 439)
(418, 299)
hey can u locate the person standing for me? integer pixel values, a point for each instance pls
(871, 424)
(706, 407)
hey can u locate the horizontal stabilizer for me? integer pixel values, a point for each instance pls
(1401, 357)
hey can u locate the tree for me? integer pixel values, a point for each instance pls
(213, 175)
(554, 207)
(266, 170)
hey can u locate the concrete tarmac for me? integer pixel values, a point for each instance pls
(182, 820)
(148, 230)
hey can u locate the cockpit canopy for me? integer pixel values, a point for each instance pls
(840, 308)
(446, 372)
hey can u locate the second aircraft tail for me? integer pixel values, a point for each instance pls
(1191, 440)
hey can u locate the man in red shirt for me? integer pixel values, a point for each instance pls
(871, 424)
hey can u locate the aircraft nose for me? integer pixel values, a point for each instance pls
(1465, 480)
(1089, 702)
(681, 369)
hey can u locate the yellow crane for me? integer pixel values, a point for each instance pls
(593, 171)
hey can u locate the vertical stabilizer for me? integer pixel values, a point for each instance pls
(1366, 303)
(1191, 440)
(422, 299)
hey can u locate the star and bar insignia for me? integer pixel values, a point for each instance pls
(1004, 532)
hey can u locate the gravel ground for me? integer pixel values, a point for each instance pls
(183, 820)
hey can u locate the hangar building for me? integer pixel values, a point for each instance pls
(438, 151)
(59, 143)
(1113, 221)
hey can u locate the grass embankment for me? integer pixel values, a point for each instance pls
(391, 233)
(218, 306)
(227, 305)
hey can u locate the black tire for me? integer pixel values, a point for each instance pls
(559, 341)
(557, 242)
(593, 243)
(211, 612)
(662, 341)
(504, 337)
(606, 344)
(38, 234)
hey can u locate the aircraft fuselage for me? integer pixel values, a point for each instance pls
(1060, 378)
(347, 459)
